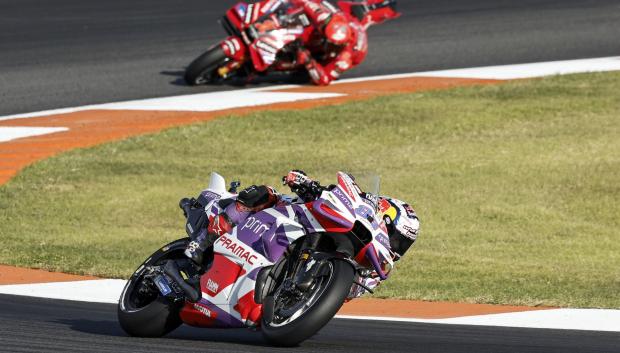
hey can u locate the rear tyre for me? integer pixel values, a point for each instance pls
(203, 69)
(331, 294)
(147, 314)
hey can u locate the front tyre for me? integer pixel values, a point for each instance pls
(286, 324)
(142, 311)
(204, 68)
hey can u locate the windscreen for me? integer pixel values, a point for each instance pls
(368, 182)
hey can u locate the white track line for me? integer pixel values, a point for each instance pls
(261, 96)
(109, 290)
(561, 319)
(511, 72)
(95, 291)
(201, 102)
(8, 133)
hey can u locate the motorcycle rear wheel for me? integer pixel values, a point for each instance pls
(149, 316)
(321, 307)
(203, 69)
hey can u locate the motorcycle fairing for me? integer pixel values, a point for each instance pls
(265, 48)
(228, 287)
(261, 240)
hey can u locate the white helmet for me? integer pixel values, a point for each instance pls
(402, 223)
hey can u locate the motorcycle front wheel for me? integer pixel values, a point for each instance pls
(291, 317)
(142, 311)
(203, 69)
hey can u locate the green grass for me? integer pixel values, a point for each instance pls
(517, 187)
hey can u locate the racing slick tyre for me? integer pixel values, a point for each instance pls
(202, 69)
(145, 313)
(322, 303)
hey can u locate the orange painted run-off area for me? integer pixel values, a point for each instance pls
(356, 307)
(18, 275)
(92, 127)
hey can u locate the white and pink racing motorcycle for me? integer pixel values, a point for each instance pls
(286, 269)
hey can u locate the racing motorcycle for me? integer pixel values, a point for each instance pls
(255, 42)
(285, 270)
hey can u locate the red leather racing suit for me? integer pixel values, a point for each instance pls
(324, 61)
(327, 62)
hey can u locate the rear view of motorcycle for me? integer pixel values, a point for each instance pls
(286, 269)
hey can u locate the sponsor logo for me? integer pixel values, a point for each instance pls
(349, 186)
(255, 225)
(322, 17)
(304, 20)
(210, 195)
(237, 249)
(410, 212)
(372, 200)
(342, 197)
(206, 312)
(342, 65)
(212, 285)
(383, 240)
(248, 13)
(409, 232)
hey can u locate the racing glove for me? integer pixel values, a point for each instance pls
(306, 188)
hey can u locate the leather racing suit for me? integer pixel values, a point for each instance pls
(335, 41)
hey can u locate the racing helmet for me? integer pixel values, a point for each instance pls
(402, 224)
(370, 12)
(338, 31)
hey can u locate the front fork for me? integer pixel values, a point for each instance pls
(236, 52)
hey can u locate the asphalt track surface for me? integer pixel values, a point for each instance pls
(42, 325)
(65, 53)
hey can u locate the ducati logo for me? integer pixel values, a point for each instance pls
(212, 286)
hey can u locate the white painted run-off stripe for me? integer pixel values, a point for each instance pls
(561, 319)
(109, 290)
(8, 133)
(95, 291)
(261, 96)
(511, 72)
(202, 102)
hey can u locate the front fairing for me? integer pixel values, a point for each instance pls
(345, 205)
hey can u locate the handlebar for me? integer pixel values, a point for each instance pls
(185, 204)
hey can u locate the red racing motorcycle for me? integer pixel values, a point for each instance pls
(266, 37)
(260, 37)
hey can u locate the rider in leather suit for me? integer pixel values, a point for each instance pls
(401, 220)
(338, 41)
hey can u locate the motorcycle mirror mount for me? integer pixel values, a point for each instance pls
(234, 185)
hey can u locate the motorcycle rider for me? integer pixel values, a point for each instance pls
(340, 38)
(337, 41)
(400, 219)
